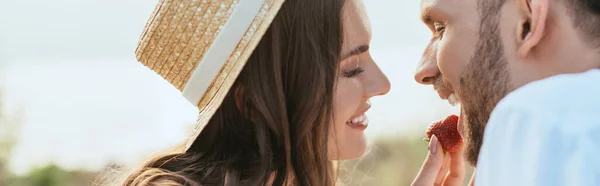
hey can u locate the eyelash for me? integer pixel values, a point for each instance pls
(439, 29)
(354, 73)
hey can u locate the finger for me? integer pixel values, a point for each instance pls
(432, 164)
(472, 182)
(442, 173)
(456, 175)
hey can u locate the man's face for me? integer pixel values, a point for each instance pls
(465, 63)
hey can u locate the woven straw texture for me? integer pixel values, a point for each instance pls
(178, 34)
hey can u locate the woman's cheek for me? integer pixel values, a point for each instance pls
(348, 97)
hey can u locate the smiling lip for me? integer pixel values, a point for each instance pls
(443, 87)
(361, 124)
(444, 94)
(449, 96)
(360, 121)
(362, 112)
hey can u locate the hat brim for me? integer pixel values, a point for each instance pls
(181, 37)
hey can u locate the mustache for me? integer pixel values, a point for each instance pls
(441, 83)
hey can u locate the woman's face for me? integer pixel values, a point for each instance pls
(358, 80)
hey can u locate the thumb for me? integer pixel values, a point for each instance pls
(472, 182)
(431, 167)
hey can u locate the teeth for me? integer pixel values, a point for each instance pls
(360, 119)
(452, 100)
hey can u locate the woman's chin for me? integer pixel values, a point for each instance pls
(354, 146)
(352, 155)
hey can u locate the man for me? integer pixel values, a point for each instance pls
(527, 73)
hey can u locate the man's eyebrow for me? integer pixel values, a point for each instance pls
(356, 51)
(426, 14)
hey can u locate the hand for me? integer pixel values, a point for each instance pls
(439, 169)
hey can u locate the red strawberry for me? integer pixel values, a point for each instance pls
(447, 134)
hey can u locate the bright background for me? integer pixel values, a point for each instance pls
(75, 101)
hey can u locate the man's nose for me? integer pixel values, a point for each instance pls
(428, 70)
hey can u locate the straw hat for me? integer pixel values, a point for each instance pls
(200, 46)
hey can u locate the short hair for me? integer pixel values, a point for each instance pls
(584, 13)
(586, 18)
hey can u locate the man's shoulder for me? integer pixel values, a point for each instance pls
(572, 99)
(557, 93)
(547, 129)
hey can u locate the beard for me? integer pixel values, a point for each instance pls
(483, 83)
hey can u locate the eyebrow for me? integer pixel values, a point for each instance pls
(356, 51)
(426, 14)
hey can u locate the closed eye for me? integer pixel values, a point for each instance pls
(354, 73)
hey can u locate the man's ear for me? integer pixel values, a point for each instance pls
(532, 29)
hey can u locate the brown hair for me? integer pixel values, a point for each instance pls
(272, 127)
(584, 13)
(586, 16)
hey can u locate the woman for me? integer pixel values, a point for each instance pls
(297, 105)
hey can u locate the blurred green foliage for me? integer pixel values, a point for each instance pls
(392, 161)
(52, 175)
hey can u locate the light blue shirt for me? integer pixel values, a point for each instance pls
(545, 133)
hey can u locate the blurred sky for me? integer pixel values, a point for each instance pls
(67, 69)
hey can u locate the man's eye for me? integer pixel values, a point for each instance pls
(439, 28)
